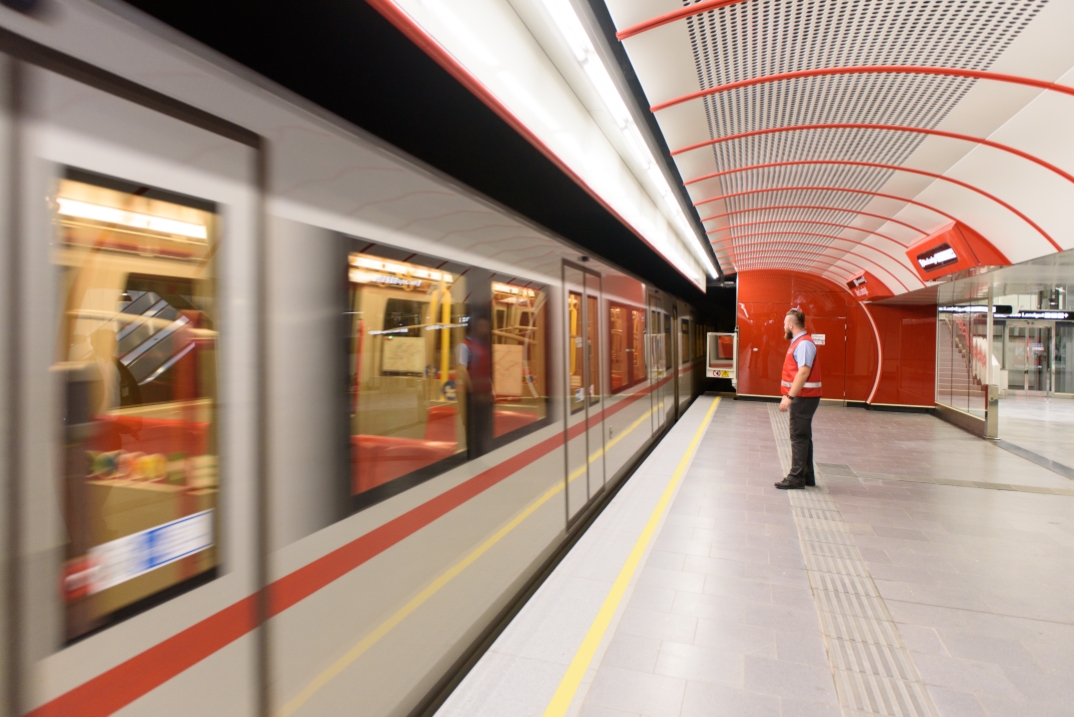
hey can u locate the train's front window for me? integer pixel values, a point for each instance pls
(409, 355)
(137, 357)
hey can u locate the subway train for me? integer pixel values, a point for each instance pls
(290, 420)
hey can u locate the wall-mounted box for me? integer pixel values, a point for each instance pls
(951, 249)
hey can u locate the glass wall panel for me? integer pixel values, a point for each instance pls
(137, 357)
(1064, 357)
(962, 356)
(411, 368)
(519, 360)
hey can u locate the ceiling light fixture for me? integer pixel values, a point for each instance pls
(111, 215)
(573, 32)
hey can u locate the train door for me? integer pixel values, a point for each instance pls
(658, 366)
(595, 401)
(675, 349)
(584, 400)
(139, 262)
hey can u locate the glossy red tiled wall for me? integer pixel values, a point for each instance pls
(908, 340)
(849, 356)
(763, 301)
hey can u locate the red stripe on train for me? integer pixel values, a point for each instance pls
(123, 684)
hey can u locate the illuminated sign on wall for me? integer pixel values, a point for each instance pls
(937, 257)
(866, 286)
(951, 249)
(1005, 311)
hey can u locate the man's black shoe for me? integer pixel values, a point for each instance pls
(788, 484)
(810, 482)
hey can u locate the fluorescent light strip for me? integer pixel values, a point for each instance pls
(573, 32)
(111, 215)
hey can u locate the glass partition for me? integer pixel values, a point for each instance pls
(962, 355)
(1063, 360)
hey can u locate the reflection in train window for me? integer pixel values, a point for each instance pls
(627, 348)
(519, 374)
(685, 346)
(407, 385)
(137, 358)
(575, 350)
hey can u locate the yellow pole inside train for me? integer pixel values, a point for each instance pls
(445, 332)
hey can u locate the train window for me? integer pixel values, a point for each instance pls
(137, 358)
(519, 370)
(408, 353)
(626, 325)
(575, 350)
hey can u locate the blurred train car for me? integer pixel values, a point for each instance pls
(289, 419)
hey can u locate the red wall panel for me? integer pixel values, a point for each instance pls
(908, 342)
(764, 298)
(861, 354)
(850, 355)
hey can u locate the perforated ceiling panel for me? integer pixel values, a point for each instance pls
(759, 38)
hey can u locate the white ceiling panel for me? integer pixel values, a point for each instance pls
(768, 138)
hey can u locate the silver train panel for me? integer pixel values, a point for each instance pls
(368, 605)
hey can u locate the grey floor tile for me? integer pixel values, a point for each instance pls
(966, 676)
(665, 560)
(806, 683)
(708, 700)
(919, 638)
(598, 711)
(658, 625)
(956, 704)
(985, 648)
(801, 647)
(735, 636)
(778, 617)
(672, 579)
(632, 652)
(627, 690)
(700, 664)
(796, 708)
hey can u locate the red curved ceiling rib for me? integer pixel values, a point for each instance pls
(806, 265)
(863, 191)
(838, 189)
(894, 168)
(674, 15)
(817, 207)
(806, 221)
(887, 128)
(869, 70)
(813, 244)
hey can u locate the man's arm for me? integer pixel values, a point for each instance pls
(796, 386)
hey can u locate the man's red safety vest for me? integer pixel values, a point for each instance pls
(811, 389)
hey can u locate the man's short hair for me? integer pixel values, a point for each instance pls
(799, 317)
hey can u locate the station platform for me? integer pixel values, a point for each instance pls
(928, 573)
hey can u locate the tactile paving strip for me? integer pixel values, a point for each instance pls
(873, 671)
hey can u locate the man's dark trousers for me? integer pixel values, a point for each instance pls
(802, 410)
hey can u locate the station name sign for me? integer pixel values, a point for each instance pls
(1003, 311)
(937, 257)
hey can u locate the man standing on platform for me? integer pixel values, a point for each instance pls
(800, 386)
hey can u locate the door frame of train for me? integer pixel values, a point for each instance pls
(23, 53)
(676, 337)
(591, 494)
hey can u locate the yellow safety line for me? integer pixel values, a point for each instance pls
(432, 588)
(568, 687)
